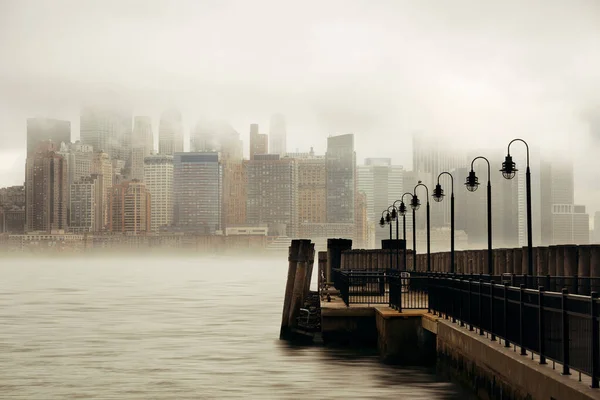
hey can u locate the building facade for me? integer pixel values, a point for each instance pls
(197, 184)
(340, 161)
(103, 166)
(234, 193)
(46, 185)
(107, 129)
(87, 204)
(259, 143)
(272, 194)
(170, 133)
(158, 176)
(278, 135)
(130, 208)
(142, 145)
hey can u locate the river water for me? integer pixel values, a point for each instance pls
(164, 328)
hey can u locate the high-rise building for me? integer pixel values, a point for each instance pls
(170, 133)
(570, 224)
(79, 158)
(312, 193)
(103, 166)
(158, 176)
(278, 135)
(361, 221)
(87, 204)
(596, 236)
(341, 183)
(197, 184)
(130, 208)
(142, 145)
(43, 129)
(381, 183)
(46, 189)
(259, 143)
(432, 155)
(272, 194)
(234, 193)
(107, 129)
(217, 136)
(12, 196)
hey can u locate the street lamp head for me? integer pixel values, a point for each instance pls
(509, 169)
(394, 214)
(415, 203)
(388, 218)
(472, 182)
(402, 209)
(382, 222)
(438, 193)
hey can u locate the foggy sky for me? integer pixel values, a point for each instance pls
(476, 72)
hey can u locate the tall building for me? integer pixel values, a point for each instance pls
(217, 136)
(197, 185)
(12, 196)
(381, 183)
(158, 176)
(107, 129)
(170, 133)
(87, 204)
(79, 158)
(272, 194)
(142, 145)
(103, 166)
(259, 143)
(130, 208)
(278, 135)
(596, 236)
(312, 183)
(570, 224)
(43, 129)
(234, 193)
(340, 162)
(46, 189)
(432, 155)
(361, 229)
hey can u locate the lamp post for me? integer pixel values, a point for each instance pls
(509, 171)
(438, 195)
(387, 220)
(396, 217)
(415, 206)
(472, 184)
(402, 211)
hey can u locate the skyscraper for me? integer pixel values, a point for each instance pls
(217, 136)
(341, 169)
(79, 158)
(272, 194)
(312, 193)
(43, 129)
(170, 133)
(142, 144)
(278, 135)
(130, 208)
(234, 193)
(107, 129)
(259, 143)
(198, 180)
(381, 182)
(103, 166)
(46, 189)
(87, 204)
(158, 176)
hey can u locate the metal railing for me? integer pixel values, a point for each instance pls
(557, 326)
(561, 327)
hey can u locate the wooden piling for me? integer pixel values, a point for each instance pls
(289, 287)
(305, 250)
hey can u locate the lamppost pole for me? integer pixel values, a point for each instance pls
(438, 195)
(395, 217)
(402, 211)
(509, 171)
(415, 206)
(472, 184)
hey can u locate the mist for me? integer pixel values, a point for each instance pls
(475, 73)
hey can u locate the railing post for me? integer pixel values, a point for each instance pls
(460, 302)
(492, 335)
(446, 290)
(575, 285)
(565, 332)
(398, 284)
(542, 330)
(522, 319)
(525, 281)
(453, 286)
(548, 283)
(469, 314)
(429, 296)
(480, 313)
(595, 338)
(506, 342)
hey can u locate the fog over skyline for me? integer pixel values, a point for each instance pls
(480, 73)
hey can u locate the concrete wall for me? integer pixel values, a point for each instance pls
(495, 372)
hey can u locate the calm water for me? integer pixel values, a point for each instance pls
(159, 328)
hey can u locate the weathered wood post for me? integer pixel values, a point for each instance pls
(560, 260)
(552, 260)
(289, 287)
(583, 268)
(305, 253)
(309, 271)
(322, 266)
